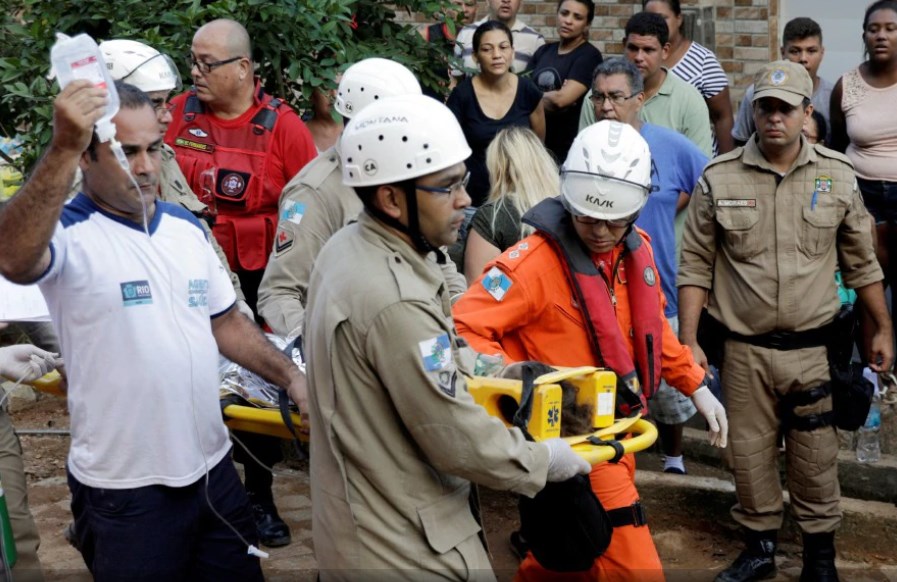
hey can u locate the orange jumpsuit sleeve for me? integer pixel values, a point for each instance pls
(488, 322)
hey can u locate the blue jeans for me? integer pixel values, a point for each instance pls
(167, 533)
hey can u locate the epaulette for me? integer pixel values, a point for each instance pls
(832, 154)
(726, 157)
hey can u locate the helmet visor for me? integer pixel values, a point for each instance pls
(158, 66)
(600, 196)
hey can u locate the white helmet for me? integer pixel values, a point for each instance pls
(401, 138)
(140, 65)
(607, 174)
(370, 80)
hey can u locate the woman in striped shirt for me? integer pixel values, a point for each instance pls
(697, 65)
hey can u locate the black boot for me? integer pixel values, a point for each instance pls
(819, 558)
(756, 562)
(273, 531)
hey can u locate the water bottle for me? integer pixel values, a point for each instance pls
(79, 57)
(868, 446)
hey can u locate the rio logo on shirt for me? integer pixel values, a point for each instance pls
(136, 293)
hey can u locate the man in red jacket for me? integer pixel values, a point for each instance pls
(238, 147)
(584, 290)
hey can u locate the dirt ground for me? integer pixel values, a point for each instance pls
(691, 547)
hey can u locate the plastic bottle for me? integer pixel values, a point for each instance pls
(868, 445)
(79, 57)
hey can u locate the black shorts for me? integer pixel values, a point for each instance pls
(880, 198)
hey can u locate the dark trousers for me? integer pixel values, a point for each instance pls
(167, 533)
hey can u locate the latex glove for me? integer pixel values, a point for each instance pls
(715, 414)
(244, 308)
(563, 463)
(26, 363)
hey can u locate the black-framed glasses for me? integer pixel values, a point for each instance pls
(161, 105)
(462, 183)
(206, 68)
(615, 98)
(616, 223)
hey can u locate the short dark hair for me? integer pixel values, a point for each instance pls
(620, 66)
(129, 97)
(673, 4)
(648, 24)
(879, 5)
(801, 28)
(486, 27)
(821, 126)
(590, 8)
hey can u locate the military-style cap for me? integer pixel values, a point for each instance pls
(783, 80)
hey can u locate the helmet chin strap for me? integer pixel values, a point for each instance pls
(413, 228)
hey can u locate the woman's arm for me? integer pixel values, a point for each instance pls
(477, 254)
(537, 121)
(840, 140)
(567, 95)
(721, 118)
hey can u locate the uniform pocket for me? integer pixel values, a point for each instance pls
(739, 224)
(447, 524)
(818, 230)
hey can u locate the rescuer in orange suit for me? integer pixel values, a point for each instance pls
(549, 298)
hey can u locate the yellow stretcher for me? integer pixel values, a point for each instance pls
(500, 397)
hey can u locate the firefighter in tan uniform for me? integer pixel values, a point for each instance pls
(315, 203)
(395, 436)
(767, 227)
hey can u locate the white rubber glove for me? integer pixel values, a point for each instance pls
(244, 308)
(715, 414)
(563, 463)
(26, 363)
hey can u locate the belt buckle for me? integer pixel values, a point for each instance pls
(777, 340)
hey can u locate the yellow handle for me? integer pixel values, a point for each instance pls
(50, 383)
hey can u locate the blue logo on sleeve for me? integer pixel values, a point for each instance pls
(136, 293)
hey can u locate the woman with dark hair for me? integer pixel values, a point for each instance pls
(865, 127)
(491, 100)
(563, 71)
(696, 64)
(815, 129)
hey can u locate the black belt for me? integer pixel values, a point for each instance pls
(630, 515)
(788, 340)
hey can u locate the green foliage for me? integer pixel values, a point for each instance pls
(298, 44)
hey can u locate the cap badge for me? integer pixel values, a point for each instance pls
(778, 77)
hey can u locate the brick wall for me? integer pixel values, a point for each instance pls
(745, 32)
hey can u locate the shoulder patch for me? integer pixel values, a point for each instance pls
(496, 283)
(292, 212)
(283, 242)
(436, 353)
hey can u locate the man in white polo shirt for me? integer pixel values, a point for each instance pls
(142, 307)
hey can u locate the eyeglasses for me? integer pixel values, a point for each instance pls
(615, 98)
(616, 223)
(206, 68)
(161, 105)
(449, 190)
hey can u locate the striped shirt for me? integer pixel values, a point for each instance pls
(700, 67)
(526, 41)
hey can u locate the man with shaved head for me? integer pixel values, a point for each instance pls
(238, 147)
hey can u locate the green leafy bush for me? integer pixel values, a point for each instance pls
(298, 44)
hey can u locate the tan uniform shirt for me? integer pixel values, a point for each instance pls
(173, 188)
(767, 246)
(396, 437)
(313, 206)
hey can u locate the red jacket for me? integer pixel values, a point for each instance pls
(533, 315)
(239, 167)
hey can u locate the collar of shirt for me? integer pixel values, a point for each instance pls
(424, 266)
(752, 156)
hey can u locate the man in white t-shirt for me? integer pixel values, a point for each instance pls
(142, 306)
(526, 38)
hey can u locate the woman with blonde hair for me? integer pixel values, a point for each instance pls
(522, 173)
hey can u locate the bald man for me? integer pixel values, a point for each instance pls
(238, 147)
